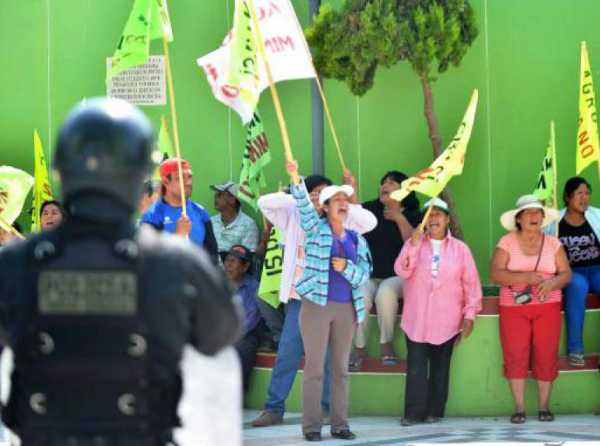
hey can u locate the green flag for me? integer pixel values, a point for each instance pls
(149, 20)
(256, 156)
(270, 279)
(243, 73)
(15, 185)
(164, 140)
(545, 188)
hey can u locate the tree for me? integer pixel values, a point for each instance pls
(349, 44)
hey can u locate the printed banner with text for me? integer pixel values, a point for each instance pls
(270, 279)
(149, 20)
(588, 149)
(236, 71)
(544, 188)
(15, 185)
(256, 156)
(433, 180)
(41, 190)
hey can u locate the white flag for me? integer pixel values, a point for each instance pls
(286, 49)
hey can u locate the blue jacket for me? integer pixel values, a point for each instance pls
(314, 283)
(163, 216)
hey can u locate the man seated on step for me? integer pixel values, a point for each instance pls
(237, 265)
(280, 209)
(395, 224)
(231, 225)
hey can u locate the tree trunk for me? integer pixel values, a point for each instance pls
(436, 142)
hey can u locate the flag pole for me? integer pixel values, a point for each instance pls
(9, 228)
(329, 118)
(323, 98)
(282, 125)
(425, 219)
(175, 129)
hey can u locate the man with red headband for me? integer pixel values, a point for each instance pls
(165, 213)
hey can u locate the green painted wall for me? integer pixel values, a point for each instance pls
(525, 64)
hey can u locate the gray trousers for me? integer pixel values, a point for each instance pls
(333, 325)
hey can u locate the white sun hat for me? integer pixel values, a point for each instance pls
(330, 191)
(438, 203)
(509, 218)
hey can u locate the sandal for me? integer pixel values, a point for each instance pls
(389, 360)
(545, 415)
(518, 418)
(355, 363)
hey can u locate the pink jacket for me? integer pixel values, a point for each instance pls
(435, 307)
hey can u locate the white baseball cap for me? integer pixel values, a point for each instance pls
(438, 203)
(330, 191)
(509, 218)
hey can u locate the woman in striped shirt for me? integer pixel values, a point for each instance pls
(531, 268)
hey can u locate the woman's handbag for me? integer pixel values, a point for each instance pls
(525, 296)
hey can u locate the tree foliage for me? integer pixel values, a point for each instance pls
(350, 43)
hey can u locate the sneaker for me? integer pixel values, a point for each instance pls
(576, 359)
(267, 418)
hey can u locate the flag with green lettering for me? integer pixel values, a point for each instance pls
(270, 279)
(545, 186)
(256, 156)
(42, 191)
(164, 140)
(149, 20)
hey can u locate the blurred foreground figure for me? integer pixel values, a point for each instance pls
(97, 315)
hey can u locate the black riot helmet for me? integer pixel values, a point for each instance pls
(105, 147)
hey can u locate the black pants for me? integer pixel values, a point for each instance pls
(246, 349)
(427, 379)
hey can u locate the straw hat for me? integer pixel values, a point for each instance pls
(509, 218)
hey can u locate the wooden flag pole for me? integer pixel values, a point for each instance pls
(329, 119)
(9, 228)
(425, 218)
(175, 129)
(282, 125)
(323, 98)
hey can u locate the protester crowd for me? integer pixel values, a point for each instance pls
(342, 257)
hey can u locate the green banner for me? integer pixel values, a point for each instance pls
(15, 185)
(243, 70)
(545, 187)
(146, 22)
(270, 279)
(256, 156)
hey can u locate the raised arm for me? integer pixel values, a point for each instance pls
(309, 218)
(406, 263)
(277, 208)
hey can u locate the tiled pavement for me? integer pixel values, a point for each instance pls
(380, 431)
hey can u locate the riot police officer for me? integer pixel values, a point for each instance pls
(97, 315)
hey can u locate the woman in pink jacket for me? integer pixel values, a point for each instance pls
(442, 295)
